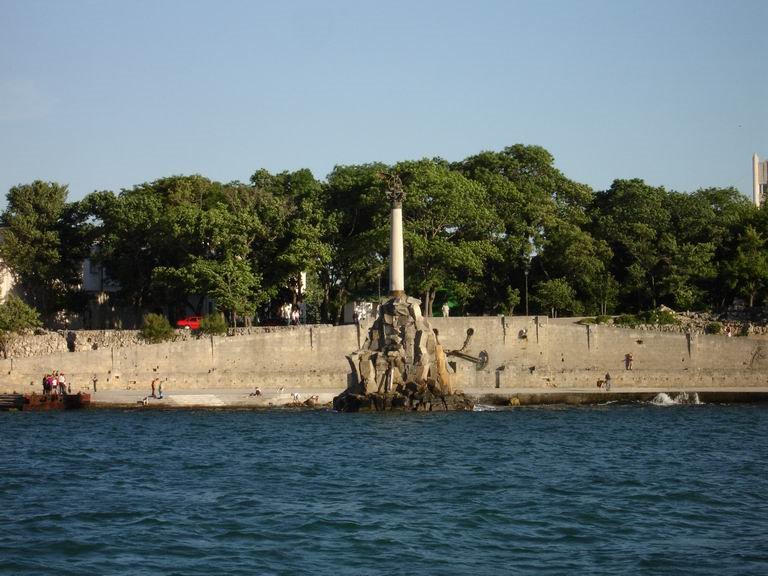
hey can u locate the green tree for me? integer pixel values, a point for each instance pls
(448, 229)
(555, 295)
(512, 301)
(213, 324)
(532, 198)
(16, 317)
(359, 239)
(31, 245)
(156, 328)
(748, 271)
(292, 206)
(232, 284)
(172, 242)
(634, 220)
(570, 252)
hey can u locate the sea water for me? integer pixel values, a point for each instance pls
(642, 489)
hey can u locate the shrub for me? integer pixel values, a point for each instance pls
(660, 317)
(714, 328)
(156, 328)
(626, 320)
(602, 319)
(16, 317)
(215, 324)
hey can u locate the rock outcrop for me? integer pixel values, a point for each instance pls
(401, 366)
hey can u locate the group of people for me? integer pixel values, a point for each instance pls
(157, 388)
(55, 384)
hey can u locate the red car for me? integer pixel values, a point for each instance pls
(190, 322)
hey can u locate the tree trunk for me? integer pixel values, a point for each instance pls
(342, 303)
(325, 305)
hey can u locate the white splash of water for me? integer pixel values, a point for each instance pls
(485, 408)
(683, 398)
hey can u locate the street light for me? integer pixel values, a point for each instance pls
(527, 265)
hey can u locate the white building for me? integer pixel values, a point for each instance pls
(759, 180)
(7, 280)
(95, 278)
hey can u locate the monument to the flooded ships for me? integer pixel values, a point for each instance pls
(402, 365)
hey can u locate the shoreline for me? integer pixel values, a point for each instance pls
(227, 399)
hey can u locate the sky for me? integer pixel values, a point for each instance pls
(105, 95)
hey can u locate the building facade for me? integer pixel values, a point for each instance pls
(759, 180)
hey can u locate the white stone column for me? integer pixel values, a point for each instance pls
(756, 180)
(396, 258)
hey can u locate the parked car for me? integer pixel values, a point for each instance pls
(190, 322)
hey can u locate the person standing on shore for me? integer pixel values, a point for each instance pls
(154, 383)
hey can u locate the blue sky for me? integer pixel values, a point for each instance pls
(103, 95)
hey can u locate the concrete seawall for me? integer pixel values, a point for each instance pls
(524, 353)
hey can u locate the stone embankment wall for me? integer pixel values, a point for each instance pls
(522, 352)
(560, 353)
(303, 357)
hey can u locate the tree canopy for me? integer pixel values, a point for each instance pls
(475, 231)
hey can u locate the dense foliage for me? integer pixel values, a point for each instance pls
(482, 234)
(155, 328)
(213, 324)
(16, 317)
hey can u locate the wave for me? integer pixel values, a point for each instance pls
(683, 398)
(486, 408)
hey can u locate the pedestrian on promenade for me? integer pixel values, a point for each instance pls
(446, 310)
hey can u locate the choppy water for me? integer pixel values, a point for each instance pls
(611, 490)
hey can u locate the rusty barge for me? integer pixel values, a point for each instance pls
(44, 402)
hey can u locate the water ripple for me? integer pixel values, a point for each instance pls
(607, 490)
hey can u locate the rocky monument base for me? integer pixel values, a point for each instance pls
(401, 366)
(406, 402)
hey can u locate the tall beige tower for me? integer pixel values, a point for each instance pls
(396, 259)
(759, 180)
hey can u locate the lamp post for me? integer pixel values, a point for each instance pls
(527, 266)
